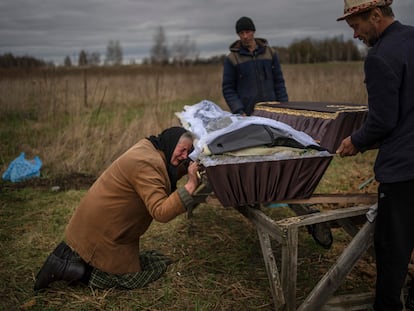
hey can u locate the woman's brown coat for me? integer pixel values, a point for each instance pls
(106, 227)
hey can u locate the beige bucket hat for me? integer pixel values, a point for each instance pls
(357, 6)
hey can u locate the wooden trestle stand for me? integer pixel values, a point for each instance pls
(283, 281)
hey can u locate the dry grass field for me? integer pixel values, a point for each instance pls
(79, 120)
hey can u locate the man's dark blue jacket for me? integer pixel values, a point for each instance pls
(249, 78)
(389, 78)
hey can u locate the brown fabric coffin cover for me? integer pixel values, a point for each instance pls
(261, 182)
(327, 123)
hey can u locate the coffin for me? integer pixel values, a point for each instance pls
(327, 123)
(250, 183)
(244, 166)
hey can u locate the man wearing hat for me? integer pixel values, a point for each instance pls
(251, 72)
(389, 78)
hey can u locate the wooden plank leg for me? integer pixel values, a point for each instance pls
(289, 267)
(271, 269)
(337, 273)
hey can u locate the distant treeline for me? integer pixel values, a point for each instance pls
(320, 51)
(309, 51)
(8, 60)
(300, 51)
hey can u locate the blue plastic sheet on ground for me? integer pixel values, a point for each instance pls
(21, 168)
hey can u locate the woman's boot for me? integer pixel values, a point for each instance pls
(59, 267)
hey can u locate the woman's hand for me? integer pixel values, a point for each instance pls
(193, 180)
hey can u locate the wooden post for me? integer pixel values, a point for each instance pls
(290, 267)
(271, 269)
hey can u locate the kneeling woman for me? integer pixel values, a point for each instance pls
(101, 246)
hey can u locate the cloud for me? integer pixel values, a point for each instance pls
(52, 29)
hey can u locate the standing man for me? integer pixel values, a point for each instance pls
(101, 247)
(252, 74)
(252, 71)
(389, 78)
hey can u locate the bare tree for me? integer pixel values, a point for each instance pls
(94, 59)
(159, 51)
(114, 54)
(67, 62)
(184, 51)
(83, 58)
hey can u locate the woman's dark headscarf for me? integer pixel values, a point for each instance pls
(166, 142)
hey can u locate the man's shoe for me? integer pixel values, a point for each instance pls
(322, 234)
(57, 269)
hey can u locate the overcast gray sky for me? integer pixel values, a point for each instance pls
(52, 29)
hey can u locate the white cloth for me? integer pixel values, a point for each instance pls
(208, 121)
(372, 212)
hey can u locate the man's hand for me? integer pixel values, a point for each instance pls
(347, 148)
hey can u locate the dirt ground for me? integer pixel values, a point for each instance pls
(73, 181)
